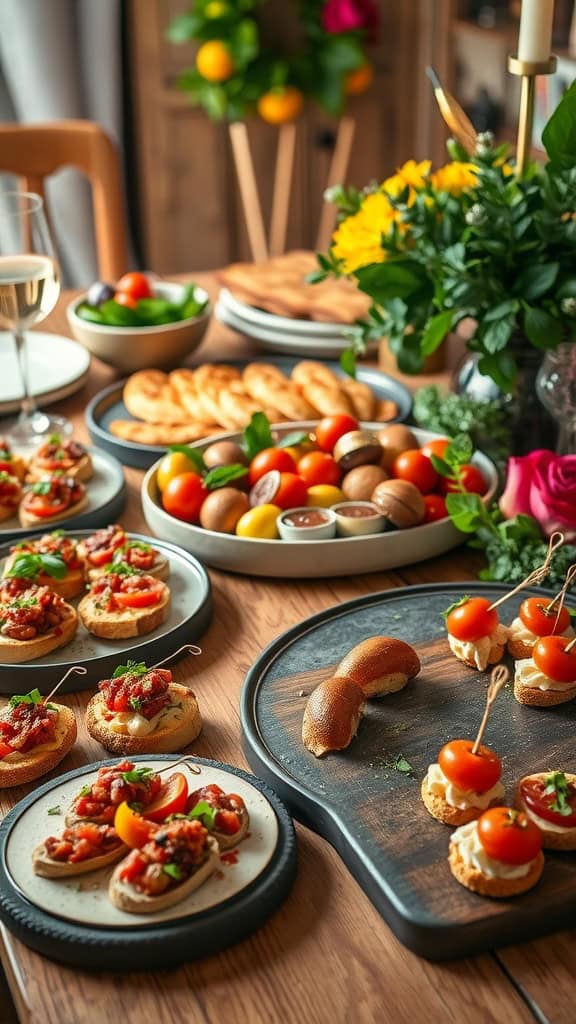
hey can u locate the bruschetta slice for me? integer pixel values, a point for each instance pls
(34, 737)
(224, 814)
(114, 784)
(34, 624)
(60, 455)
(15, 465)
(98, 550)
(51, 552)
(10, 495)
(177, 859)
(81, 848)
(123, 603)
(140, 556)
(51, 499)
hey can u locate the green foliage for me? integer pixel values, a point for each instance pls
(147, 312)
(451, 414)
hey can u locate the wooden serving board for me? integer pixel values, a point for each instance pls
(371, 812)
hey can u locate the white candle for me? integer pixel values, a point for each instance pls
(535, 42)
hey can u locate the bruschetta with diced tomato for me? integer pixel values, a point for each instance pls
(123, 603)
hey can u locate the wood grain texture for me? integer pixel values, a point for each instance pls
(327, 953)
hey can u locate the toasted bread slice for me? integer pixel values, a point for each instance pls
(484, 885)
(7, 512)
(536, 698)
(440, 809)
(175, 730)
(47, 867)
(126, 897)
(17, 769)
(552, 839)
(82, 470)
(12, 652)
(28, 519)
(123, 623)
(519, 649)
(71, 586)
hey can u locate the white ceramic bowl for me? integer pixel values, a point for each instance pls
(341, 556)
(140, 348)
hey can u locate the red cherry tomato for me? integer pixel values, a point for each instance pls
(470, 479)
(435, 508)
(537, 800)
(123, 299)
(541, 621)
(170, 800)
(319, 468)
(270, 458)
(331, 428)
(292, 491)
(509, 835)
(476, 772)
(183, 497)
(139, 598)
(472, 620)
(134, 284)
(416, 468)
(436, 447)
(553, 660)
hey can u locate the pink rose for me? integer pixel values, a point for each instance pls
(351, 16)
(543, 485)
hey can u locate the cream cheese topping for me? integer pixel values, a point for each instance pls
(474, 855)
(439, 785)
(518, 631)
(479, 651)
(131, 723)
(528, 674)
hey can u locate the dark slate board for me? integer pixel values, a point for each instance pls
(372, 814)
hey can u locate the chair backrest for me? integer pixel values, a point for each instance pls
(35, 151)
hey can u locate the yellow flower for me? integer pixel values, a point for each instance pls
(357, 240)
(454, 177)
(411, 174)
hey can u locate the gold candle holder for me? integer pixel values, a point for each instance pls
(527, 70)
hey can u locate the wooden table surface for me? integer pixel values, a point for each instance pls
(326, 955)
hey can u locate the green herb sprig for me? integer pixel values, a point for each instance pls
(558, 784)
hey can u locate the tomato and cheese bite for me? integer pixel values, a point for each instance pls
(499, 855)
(81, 848)
(123, 603)
(34, 622)
(536, 617)
(224, 814)
(10, 495)
(114, 784)
(140, 556)
(34, 737)
(12, 464)
(549, 676)
(51, 499)
(462, 784)
(63, 456)
(475, 634)
(549, 800)
(98, 550)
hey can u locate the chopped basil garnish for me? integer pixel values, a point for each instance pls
(85, 791)
(204, 812)
(138, 775)
(34, 697)
(133, 668)
(456, 604)
(54, 810)
(173, 870)
(558, 784)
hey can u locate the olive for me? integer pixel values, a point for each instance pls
(222, 509)
(224, 453)
(395, 439)
(99, 292)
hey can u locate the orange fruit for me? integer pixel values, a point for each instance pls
(214, 61)
(279, 106)
(357, 81)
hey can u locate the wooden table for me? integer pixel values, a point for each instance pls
(326, 955)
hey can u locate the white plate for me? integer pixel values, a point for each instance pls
(273, 340)
(342, 556)
(84, 899)
(58, 368)
(292, 325)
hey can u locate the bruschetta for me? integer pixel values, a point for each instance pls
(51, 499)
(123, 603)
(139, 556)
(549, 800)
(52, 546)
(81, 848)
(34, 624)
(176, 860)
(60, 455)
(141, 710)
(98, 550)
(10, 495)
(224, 814)
(114, 784)
(34, 737)
(15, 465)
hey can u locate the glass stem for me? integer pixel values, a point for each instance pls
(28, 405)
(567, 436)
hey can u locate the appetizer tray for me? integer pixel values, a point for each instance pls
(58, 368)
(107, 405)
(73, 921)
(341, 556)
(189, 617)
(106, 493)
(370, 811)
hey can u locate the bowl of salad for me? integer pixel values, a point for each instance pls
(140, 322)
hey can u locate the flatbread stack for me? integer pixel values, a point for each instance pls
(187, 405)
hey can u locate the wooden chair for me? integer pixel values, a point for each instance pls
(35, 151)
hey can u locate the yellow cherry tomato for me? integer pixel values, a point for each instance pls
(214, 61)
(171, 465)
(324, 495)
(131, 827)
(259, 522)
(297, 451)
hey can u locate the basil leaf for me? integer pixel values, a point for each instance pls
(34, 697)
(222, 475)
(348, 362)
(296, 437)
(41, 487)
(204, 812)
(85, 791)
(257, 435)
(133, 668)
(466, 511)
(138, 775)
(173, 870)
(193, 454)
(54, 565)
(456, 604)
(54, 810)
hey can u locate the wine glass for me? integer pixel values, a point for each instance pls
(29, 290)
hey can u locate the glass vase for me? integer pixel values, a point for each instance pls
(556, 389)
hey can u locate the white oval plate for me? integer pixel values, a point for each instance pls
(291, 325)
(274, 340)
(84, 898)
(58, 368)
(342, 556)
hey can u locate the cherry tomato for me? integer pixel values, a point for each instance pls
(542, 621)
(134, 284)
(131, 827)
(319, 468)
(415, 467)
(259, 522)
(436, 447)
(271, 458)
(324, 495)
(139, 598)
(123, 299)
(509, 835)
(435, 508)
(183, 497)
(476, 772)
(286, 490)
(553, 660)
(171, 465)
(170, 800)
(470, 479)
(331, 428)
(472, 620)
(537, 800)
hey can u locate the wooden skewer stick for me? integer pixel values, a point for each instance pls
(336, 174)
(282, 187)
(248, 190)
(561, 595)
(77, 669)
(190, 648)
(556, 541)
(185, 760)
(498, 679)
(569, 646)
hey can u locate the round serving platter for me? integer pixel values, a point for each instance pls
(107, 405)
(106, 493)
(58, 368)
(189, 617)
(72, 919)
(365, 800)
(341, 556)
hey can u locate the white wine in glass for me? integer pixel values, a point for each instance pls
(29, 290)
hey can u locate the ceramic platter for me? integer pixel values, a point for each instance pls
(74, 921)
(107, 405)
(373, 814)
(58, 368)
(190, 614)
(106, 492)
(342, 556)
